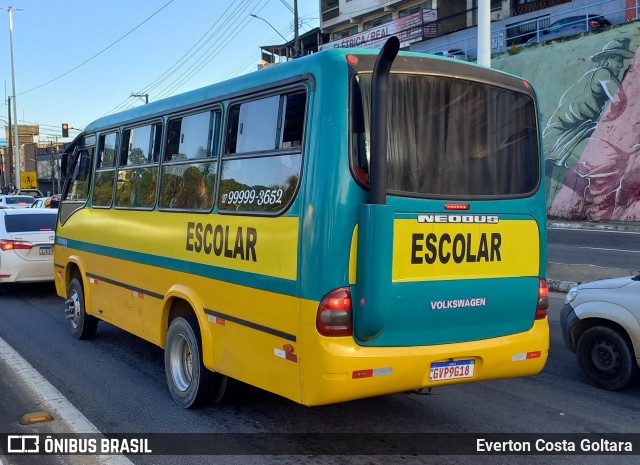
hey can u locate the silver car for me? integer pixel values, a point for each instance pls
(600, 322)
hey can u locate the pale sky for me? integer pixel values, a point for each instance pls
(78, 60)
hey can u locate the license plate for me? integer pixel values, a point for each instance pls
(451, 370)
(47, 250)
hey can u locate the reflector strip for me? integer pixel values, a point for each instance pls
(138, 294)
(93, 281)
(371, 373)
(526, 356)
(362, 374)
(286, 355)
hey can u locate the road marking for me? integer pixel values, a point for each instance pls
(599, 230)
(56, 401)
(609, 250)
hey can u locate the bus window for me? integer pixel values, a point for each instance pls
(81, 178)
(105, 171)
(264, 181)
(452, 137)
(258, 125)
(137, 177)
(187, 184)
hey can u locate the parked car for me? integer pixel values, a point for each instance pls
(16, 201)
(453, 53)
(569, 26)
(26, 245)
(35, 193)
(600, 322)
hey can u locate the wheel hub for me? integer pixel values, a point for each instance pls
(605, 357)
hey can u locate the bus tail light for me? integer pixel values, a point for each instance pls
(8, 244)
(543, 300)
(334, 317)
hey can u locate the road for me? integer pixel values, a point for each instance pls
(117, 381)
(614, 249)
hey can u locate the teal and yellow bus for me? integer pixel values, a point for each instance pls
(348, 224)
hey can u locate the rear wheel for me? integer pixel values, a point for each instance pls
(82, 326)
(191, 384)
(606, 358)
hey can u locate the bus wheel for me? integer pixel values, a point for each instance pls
(190, 383)
(82, 326)
(606, 358)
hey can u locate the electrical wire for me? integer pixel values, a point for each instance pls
(100, 52)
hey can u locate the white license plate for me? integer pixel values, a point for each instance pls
(47, 250)
(451, 370)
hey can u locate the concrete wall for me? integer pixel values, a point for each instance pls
(589, 95)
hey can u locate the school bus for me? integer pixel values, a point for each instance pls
(348, 224)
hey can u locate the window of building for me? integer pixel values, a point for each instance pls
(428, 5)
(345, 33)
(379, 21)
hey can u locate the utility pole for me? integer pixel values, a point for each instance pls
(484, 33)
(15, 111)
(296, 35)
(10, 147)
(146, 97)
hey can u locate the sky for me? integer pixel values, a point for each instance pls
(78, 60)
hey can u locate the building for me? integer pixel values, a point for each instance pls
(436, 25)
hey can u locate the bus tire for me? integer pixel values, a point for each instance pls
(606, 358)
(82, 326)
(191, 384)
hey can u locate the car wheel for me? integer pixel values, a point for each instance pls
(191, 384)
(82, 326)
(606, 358)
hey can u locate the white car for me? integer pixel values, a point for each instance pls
(16, 201)
(26, 244)
(600, 322)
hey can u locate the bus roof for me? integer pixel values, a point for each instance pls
(311, 64)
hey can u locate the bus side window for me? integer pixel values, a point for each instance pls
(79, 189)
(105, 171)
(293, 120)
(138, 171)
(189, 171)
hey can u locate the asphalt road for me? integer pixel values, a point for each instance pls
(613, 249)
(118, 382)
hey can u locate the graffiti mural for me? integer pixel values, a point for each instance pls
(580, 109)
(604, 183)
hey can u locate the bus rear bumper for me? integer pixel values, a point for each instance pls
(344, 371)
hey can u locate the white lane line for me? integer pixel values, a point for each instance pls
(609, 250)
(555, 228)
(61, 407)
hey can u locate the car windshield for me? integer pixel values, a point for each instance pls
(30, 223)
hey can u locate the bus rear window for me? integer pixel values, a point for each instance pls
(451, 137)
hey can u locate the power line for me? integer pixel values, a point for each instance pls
(100, 52)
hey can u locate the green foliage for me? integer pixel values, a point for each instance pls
(514, 50)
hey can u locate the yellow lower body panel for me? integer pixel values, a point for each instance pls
(337, 370)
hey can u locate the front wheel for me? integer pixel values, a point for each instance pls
(82, 326)
(606, 358)
(191, 384)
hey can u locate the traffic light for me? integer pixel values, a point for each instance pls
(65, 130)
